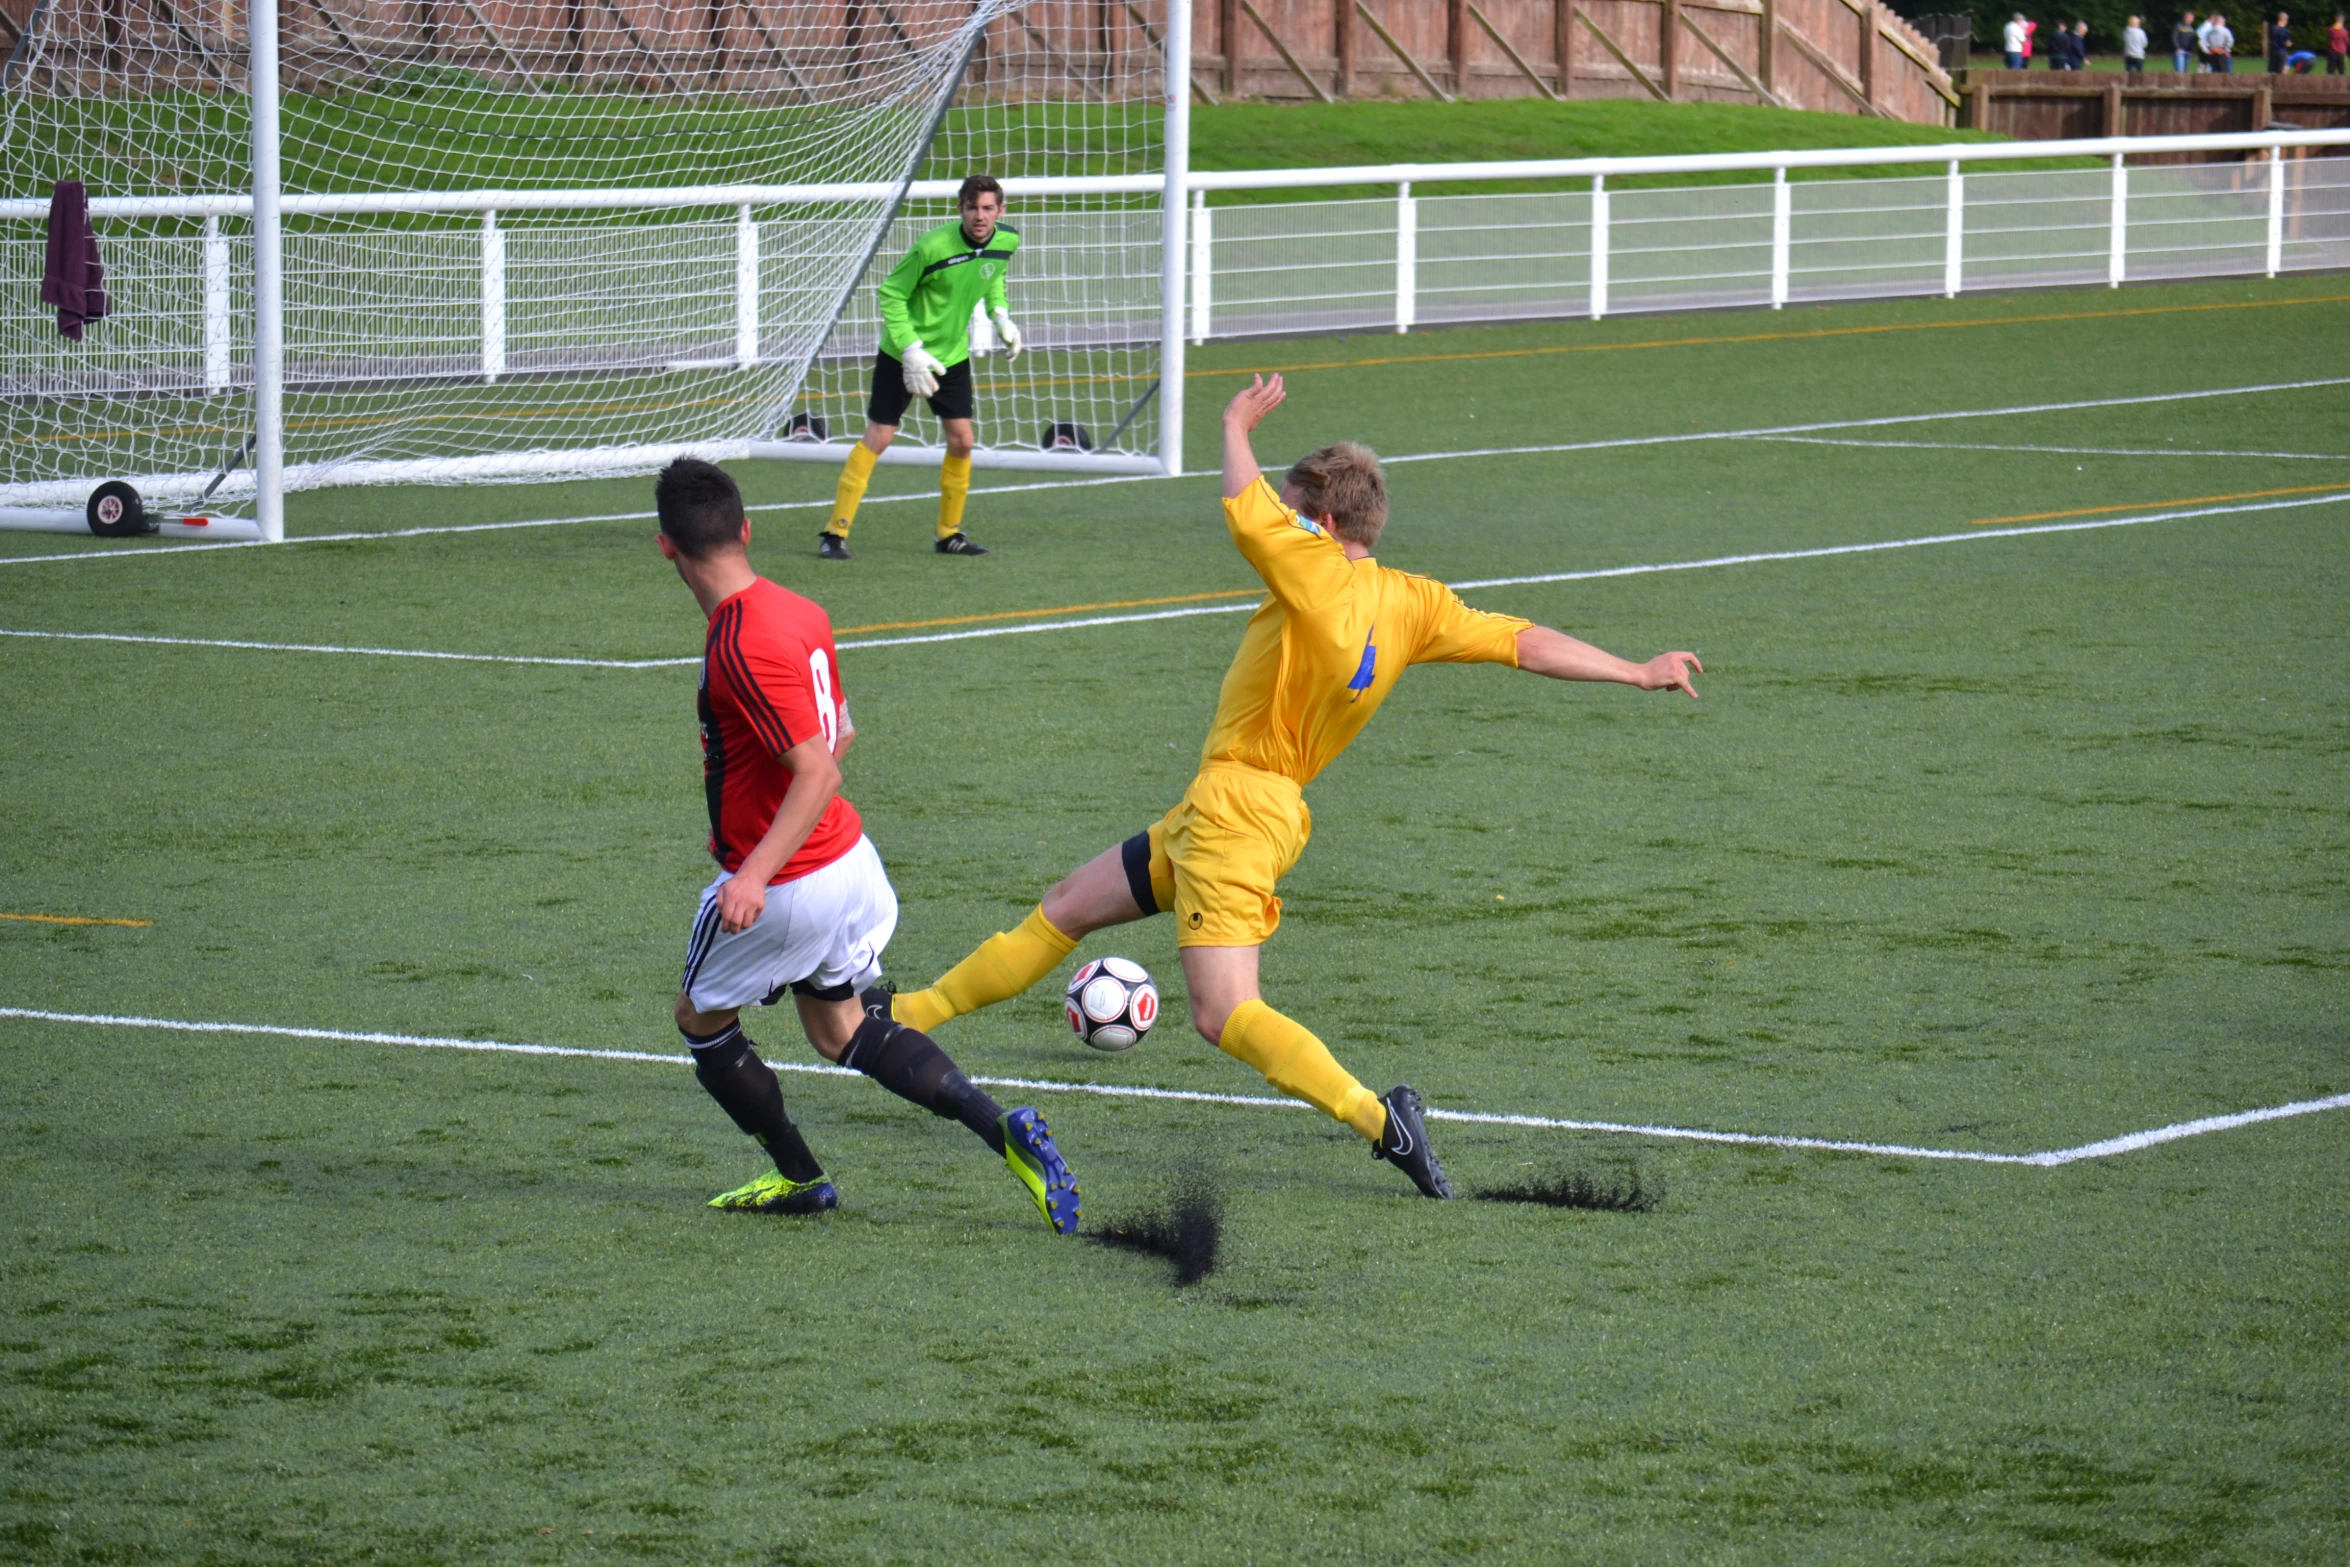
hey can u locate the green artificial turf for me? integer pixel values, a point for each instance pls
(2009, 844)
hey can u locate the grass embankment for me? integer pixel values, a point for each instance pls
(1283, 136)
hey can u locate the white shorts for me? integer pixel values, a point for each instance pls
(823, 930)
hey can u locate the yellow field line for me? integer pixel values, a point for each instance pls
(72, 919)
(1065, 609)
(2184, 500)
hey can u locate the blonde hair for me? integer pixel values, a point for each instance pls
(1343, 482)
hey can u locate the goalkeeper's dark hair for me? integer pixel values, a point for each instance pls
(1344, 483)
(976, 186)
(699, 506)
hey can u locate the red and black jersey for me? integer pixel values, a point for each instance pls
(770, 680)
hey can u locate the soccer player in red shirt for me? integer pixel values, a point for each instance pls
(801, 903)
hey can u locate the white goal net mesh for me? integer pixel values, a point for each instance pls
(523, 238)
(1061, 89)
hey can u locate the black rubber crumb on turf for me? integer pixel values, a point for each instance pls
(1188, 1231)
(1619, 1191)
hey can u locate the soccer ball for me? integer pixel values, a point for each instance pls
(1112, 1003)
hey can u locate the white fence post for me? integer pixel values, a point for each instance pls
(2276, 210)
(1407, 258)
(2117, 259)
(493, 298)
(1954, 233)
(1782, 235)
(746, 288)
(1598, 247)
(1203, 266)
(216, 345)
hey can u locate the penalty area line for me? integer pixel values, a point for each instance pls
(2052, 1158)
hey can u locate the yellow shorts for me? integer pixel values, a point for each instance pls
(1215, 858)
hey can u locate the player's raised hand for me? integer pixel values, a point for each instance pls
(1259, 398)
(1670, 672)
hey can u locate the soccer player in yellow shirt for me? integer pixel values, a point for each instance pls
(1334, 635)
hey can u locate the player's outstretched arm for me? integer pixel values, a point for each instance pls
(1259, 398)
(1543, 651)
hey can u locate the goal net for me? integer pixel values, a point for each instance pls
(552, 238)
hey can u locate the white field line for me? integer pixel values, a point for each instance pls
(2065, 451)
(1759, 433)
(1596, 573)
(1590, 575)
(366, 652)
(2047, 1159)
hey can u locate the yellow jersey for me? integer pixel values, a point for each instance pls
(1328, 644)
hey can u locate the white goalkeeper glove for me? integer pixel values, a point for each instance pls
(922, 369)
(1009, 333)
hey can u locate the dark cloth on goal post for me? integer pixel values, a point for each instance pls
(72, 277)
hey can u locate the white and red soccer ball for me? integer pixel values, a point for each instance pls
(1112, 1003)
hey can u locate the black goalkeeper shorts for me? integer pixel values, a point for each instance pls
(890, 399)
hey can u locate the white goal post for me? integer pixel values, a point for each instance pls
(391, 241)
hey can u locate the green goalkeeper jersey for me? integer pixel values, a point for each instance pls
(929, 295)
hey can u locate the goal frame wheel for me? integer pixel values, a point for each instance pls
(115, 511)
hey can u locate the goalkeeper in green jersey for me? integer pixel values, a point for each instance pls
(927, 303)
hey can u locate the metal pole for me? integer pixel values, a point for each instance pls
(1954, 233)
(2276, 210)
(746, 288)
(493, 297)
(1407, 258)
(269, 285)
(217, 358)
(1203, 267)
(1172, 251)
(1598, 247)
(2117, 258)
(1782, 236)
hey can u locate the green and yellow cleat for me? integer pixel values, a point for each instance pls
(1029, 1150)
(772, 1193)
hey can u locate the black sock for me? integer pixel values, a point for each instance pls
(907, 1063)
(746, 1089)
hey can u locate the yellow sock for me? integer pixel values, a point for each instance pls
(1005, 964)
(1301, 1066)
(855, 474)
(954, 487)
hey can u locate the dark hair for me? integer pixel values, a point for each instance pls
(976, 186)
(701, 511)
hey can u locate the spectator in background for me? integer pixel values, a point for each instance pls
(2133, 47)
(2030, 27)
(2077, 56)
(2337, 45)
(2280, 43)
(2013, 41)
(2183, 43)
(2203, 39)
(2221, 45)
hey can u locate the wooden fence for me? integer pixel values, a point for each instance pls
(1852, 56)
(2053, 105)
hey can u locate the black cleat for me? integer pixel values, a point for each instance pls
(959, 544)
(831, 546)
(1405, 1142)
(875, 999)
